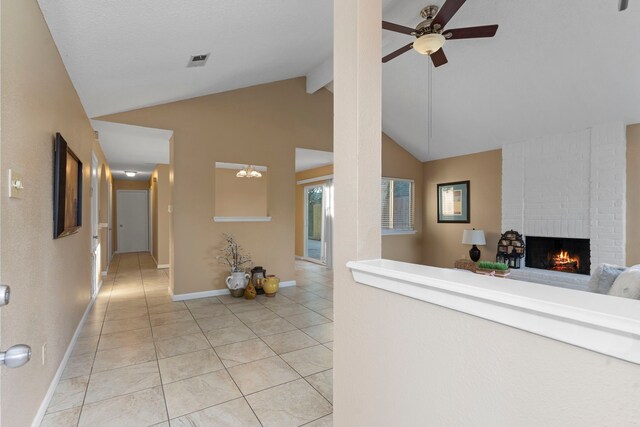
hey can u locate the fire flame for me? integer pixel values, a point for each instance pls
(563, 259)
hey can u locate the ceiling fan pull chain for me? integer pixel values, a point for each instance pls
(429, 106)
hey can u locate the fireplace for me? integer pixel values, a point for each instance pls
(559, 254)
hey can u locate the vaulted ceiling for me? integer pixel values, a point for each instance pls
(552, 67)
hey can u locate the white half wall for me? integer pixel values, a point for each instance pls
(569, 185)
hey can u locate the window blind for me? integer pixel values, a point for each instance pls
(397, 204)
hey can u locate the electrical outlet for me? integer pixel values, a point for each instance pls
(44, 353)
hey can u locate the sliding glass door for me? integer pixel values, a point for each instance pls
(318, 221)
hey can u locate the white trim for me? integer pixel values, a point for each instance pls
(311, 260)
(163, 266)
(391, 232)
(316, 179)
(604, 324)
(238, 166)
(219, 292)
(42, 410)
(241, 218)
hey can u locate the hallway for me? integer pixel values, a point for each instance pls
(143, 360)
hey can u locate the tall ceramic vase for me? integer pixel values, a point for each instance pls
(237, 282)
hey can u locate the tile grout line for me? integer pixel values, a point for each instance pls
(286, 363)
(164, 397)
(86, 390)
(225, 368)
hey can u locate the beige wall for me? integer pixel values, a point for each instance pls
(633, 194)
(50, 279)
(398, 163)
(160, 199)
(240, 196)
(122, 184)
(302, 175)
(442, 242)
(259, 125)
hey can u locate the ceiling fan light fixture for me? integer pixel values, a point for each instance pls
(429, 43)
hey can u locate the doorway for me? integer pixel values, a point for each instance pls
(317, 222)
(133, 220)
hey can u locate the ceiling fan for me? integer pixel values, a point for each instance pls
(430, 34)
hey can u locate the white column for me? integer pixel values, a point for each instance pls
(357, 171)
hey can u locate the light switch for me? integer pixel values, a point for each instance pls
(16, 185)
(170, 208)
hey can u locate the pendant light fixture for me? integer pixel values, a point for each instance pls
(248, 172)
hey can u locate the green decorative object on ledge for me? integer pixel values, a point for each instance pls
(497, 269)
(488, 265)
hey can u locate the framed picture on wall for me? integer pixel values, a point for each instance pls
(453, 202)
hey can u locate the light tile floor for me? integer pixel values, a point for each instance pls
(143, 360)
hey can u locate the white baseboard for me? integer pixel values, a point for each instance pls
(287, 284)
(159, 266)
(311, 260)
(63, 364)
(219, 292)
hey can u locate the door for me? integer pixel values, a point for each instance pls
(314, 214)
(95, 241)
(133, 220)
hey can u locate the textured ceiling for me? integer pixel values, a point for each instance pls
(123, 55)
(133, 148)
(552, 67)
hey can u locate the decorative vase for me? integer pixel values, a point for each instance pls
(250, 291)
(236, 283)
(271, 284)
(257, 276)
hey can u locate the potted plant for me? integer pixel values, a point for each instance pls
(233, 257)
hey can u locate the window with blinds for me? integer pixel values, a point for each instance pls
(397, 205)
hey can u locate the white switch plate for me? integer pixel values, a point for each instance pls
(170, 208)
(15, 184)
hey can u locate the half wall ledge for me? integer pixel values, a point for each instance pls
(600, 323)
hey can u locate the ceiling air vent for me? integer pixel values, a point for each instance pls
(198, 60)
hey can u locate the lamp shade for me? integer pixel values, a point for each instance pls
(473, 237)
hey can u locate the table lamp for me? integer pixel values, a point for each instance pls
(474, 237)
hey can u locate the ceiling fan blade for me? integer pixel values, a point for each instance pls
(446, 12)
(439, 58)
(471, 32)
(397, 52)
(397, 28)
(623, 5)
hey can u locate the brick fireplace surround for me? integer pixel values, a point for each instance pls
(568, 185)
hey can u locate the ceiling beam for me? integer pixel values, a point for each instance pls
(320, 76)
